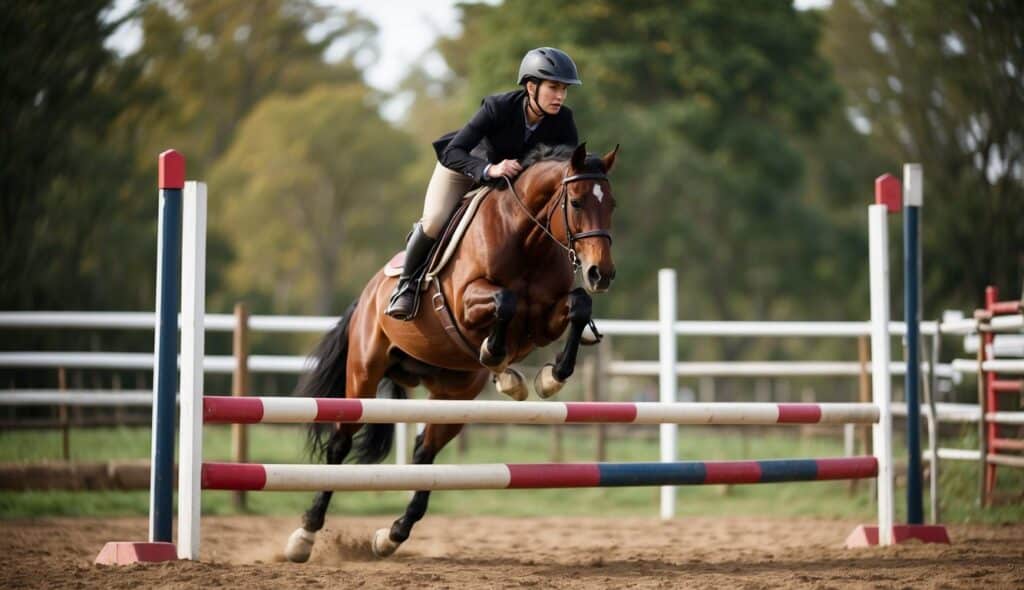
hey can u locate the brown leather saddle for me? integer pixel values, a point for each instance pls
(439, 257)
(444, 249)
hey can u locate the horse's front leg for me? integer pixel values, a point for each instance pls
(487, 304)
(575, 310)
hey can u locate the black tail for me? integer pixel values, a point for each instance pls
(373, 441)
(327, 379)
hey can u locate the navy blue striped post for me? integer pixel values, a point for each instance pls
(912, 200)
(165, 369)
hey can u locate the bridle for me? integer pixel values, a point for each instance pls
(563, 195)
(594, 233)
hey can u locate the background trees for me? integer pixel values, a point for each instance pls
(750, 141)
(943, 85)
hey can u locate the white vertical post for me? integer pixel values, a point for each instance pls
(849, 440)
(667, 377)
(881, 380)
(193, 309)
(401, 443)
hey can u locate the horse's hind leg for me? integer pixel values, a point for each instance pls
(428, 445)
(300, 543)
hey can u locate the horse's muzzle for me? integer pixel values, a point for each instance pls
(597, 282)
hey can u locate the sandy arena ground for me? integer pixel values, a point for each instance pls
(469, 552)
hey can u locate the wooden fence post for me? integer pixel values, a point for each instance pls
(62, 413)
(982, 424)
(240, 388)
(864, 397)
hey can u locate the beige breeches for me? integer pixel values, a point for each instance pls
(443, 193)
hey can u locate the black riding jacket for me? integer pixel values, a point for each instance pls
(498, 132)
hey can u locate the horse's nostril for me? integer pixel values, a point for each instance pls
(594, 274)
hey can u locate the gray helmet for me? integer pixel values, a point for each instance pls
(548, 63)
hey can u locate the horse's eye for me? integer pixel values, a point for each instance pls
(576, 203)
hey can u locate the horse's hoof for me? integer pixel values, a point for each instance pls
(300, 545)
(545, 383)
(512, 383)
(383, 546)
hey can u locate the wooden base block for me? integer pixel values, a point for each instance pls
(867, 535)
(129, 552)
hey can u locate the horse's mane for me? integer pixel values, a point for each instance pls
(560, 153)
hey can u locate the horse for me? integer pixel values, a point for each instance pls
(511, 291)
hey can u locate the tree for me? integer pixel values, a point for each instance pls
(217, 60)
(83, 127)
(306, 197)
(60, 163)
(943, 84)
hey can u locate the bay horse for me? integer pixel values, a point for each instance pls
(511, 290)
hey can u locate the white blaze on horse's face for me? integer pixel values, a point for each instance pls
(593, 216)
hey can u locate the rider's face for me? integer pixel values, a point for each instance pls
(551, 96)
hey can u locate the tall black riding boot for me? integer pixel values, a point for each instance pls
(405, 298)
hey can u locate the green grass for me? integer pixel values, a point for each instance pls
(284, 444)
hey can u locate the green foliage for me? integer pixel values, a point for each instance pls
(943, 84)
(217, 60)
(740, 166)
(62, 161)
(305, 195)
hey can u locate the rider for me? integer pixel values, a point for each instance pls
(506, 127)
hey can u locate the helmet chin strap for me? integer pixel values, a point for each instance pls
(539, 110)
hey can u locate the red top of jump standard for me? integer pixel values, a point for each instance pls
(888, 192)
(172, 170)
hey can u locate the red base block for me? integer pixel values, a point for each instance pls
(128, 552)
(867, 535)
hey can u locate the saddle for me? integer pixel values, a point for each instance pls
(444, 250)
(439, 257)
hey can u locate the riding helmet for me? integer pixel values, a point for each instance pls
(548, 63)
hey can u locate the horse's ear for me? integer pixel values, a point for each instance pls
(608, 160)
(579, 157)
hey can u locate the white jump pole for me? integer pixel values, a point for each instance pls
(880, 357)
(667, 377)
(193, 310)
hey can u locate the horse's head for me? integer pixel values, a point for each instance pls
(587, 215)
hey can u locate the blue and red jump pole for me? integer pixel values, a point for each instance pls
(171, 183)
(171, 179)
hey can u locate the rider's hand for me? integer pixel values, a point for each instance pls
(510, 168)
